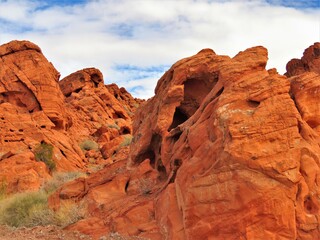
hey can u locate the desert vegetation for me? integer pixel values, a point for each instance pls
(126, 142)
(115, 125)
(44, 152)
(30, 209)
(87, 145)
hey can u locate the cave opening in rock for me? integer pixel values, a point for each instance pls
(118, 114)
(59, 123)
(253, 104)
(153, 152)
(179, 117)
(124, 131)
(78, 90)
(149, 154)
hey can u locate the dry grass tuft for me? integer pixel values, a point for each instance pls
(31, 209)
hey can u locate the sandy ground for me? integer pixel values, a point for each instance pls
(39, 232)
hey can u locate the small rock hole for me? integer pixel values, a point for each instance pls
(253, 104)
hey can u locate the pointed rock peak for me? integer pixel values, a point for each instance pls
(17, 46)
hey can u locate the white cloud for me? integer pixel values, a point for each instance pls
(144, 33)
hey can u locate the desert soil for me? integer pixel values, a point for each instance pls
(40, 232)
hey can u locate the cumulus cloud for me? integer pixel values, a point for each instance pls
(134, 42)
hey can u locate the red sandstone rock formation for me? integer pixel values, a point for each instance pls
(97, 115)
(34, 110)
(308, 63)
(224, 150)
(124, 97)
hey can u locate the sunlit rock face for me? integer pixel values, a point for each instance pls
(35, 109)
(224, 150)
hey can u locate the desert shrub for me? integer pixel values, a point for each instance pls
(44, 153)
(31, 209)
(95, 167)
(114, 126)
(68, 213)
(3, 188)
(88, 144)
(127, 141)
(58, 179)
(19, 210)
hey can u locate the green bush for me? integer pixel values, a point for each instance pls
(87, 145)
(44, 153)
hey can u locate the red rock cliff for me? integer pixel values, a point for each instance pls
(225, 150)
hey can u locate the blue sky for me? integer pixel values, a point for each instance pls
(60, 2)
(299, 4)
(133, 42)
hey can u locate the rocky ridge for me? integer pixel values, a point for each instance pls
(38, 108)
(224, 150)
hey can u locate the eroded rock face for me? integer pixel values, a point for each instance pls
(32, 111)
(308, 63)
(305, 88)
(35, 108)
(23, 85)
(124, 97)
(97, 115)
(225, 150)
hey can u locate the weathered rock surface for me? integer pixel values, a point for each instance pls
(308, 63)
(32, 111)
(35, 108)
(225, 150)
(97, 115)
(124, 97)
